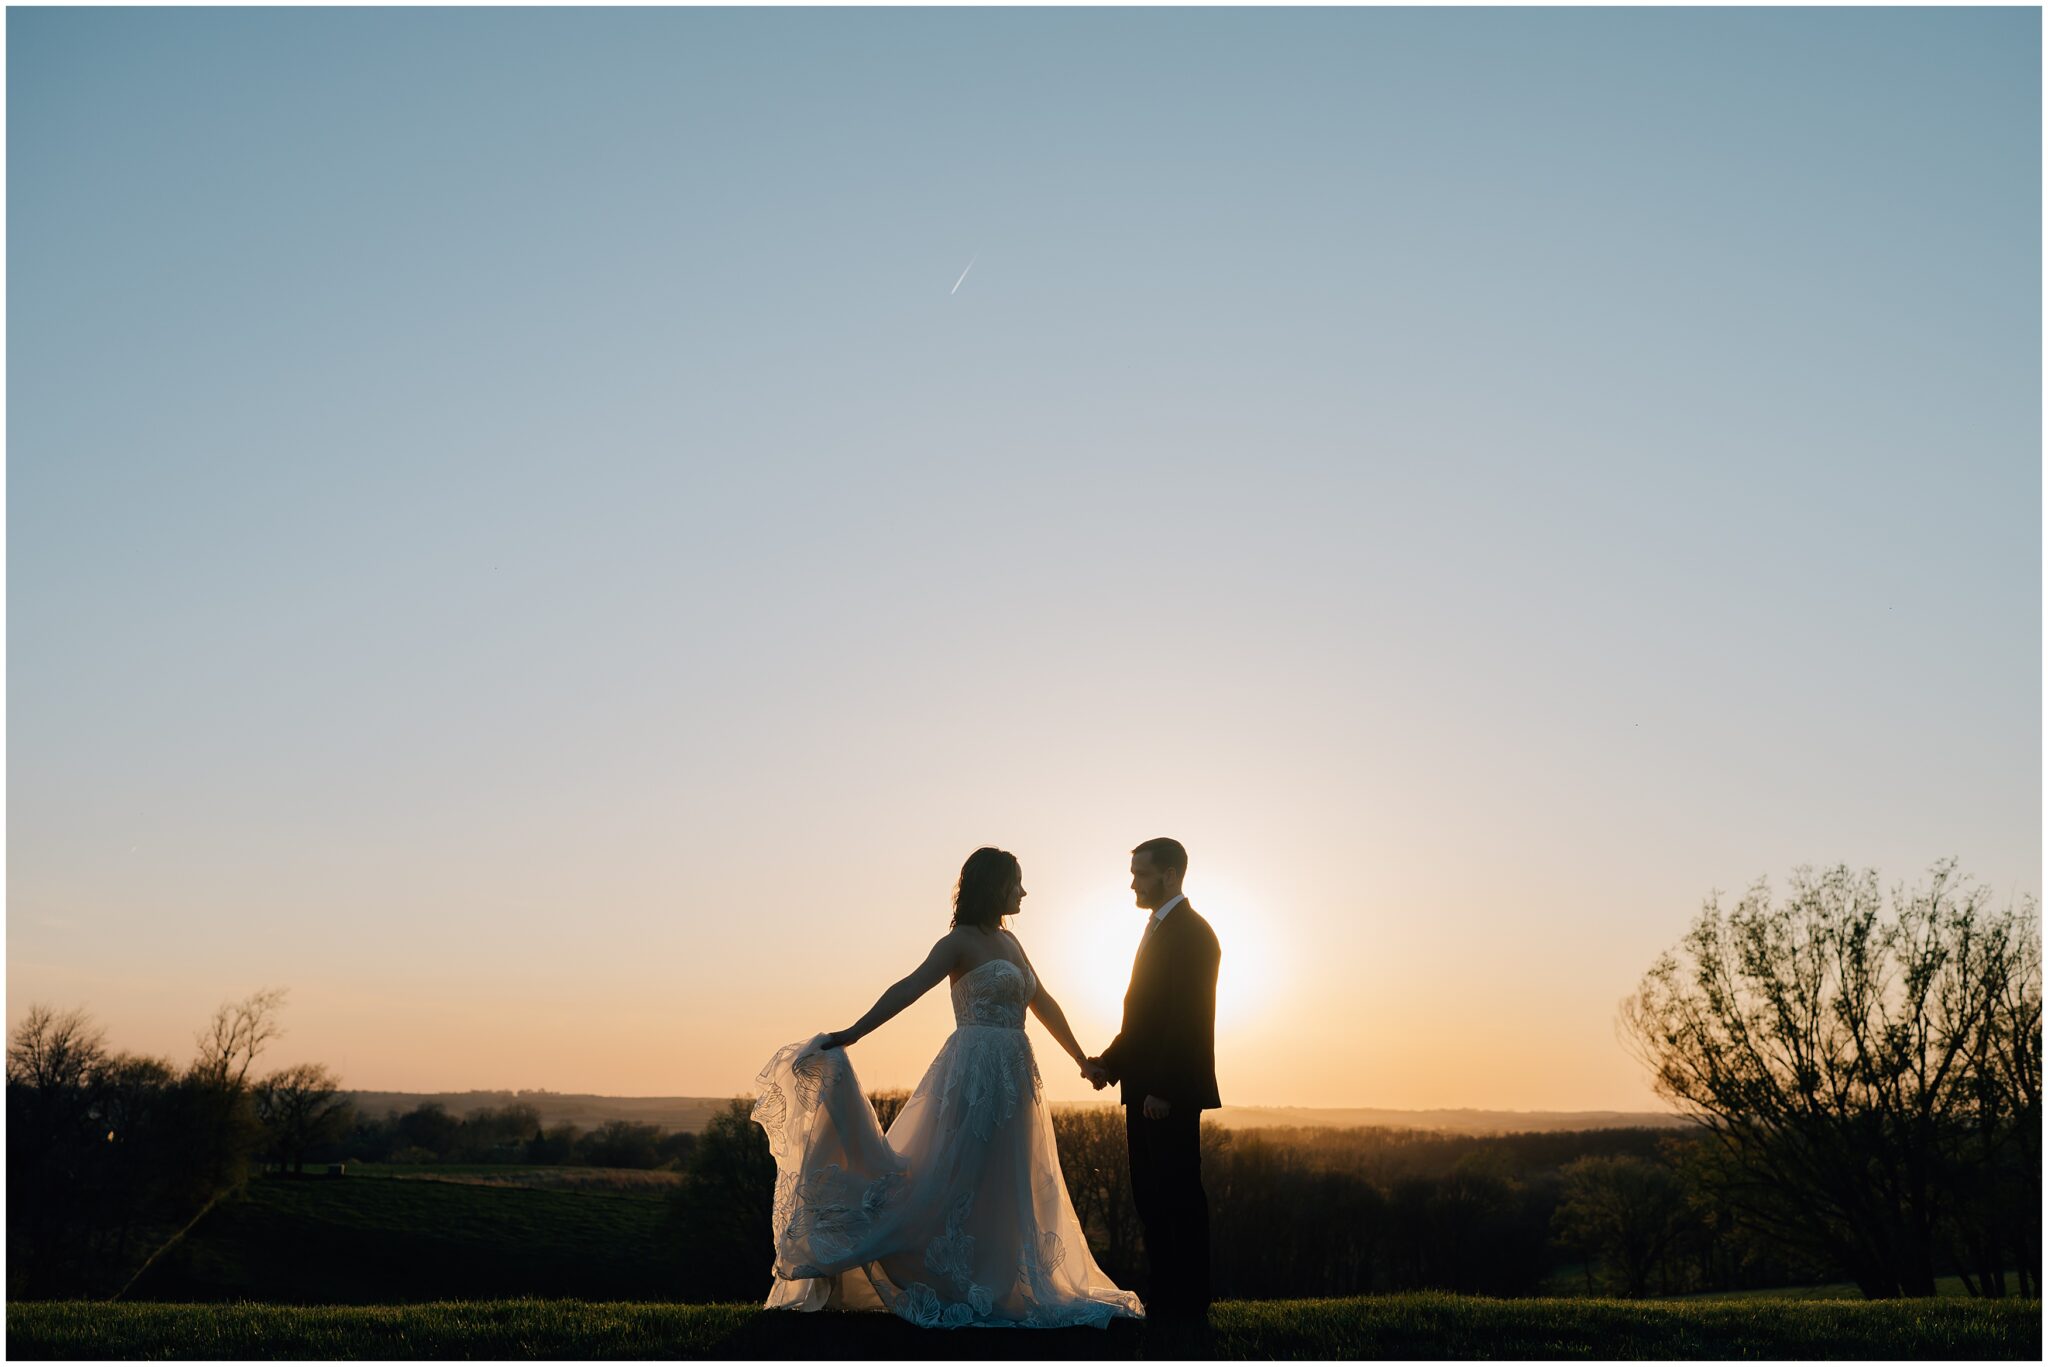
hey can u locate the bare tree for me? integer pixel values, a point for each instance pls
(300, 1107)
(102, 1146)
(1847, 1065)
(236, 1035)
(52, 1050)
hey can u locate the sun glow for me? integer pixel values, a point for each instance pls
(1246, 980)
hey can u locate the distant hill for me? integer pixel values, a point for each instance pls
(1462, 1121)
(692, 1112)
(583, 1109)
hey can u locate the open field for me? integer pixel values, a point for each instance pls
(444, 1232)
(1423, 1325)
(361, 1240)
(651, 1183)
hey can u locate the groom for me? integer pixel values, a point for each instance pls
(1165, 1057)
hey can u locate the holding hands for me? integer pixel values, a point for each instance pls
(1156, 1107)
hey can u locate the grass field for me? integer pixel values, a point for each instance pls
(1945, 1287)
(361, 1240)
(1423, 1325)
(651, 1183)
(1568, 1284)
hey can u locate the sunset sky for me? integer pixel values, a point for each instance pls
(513, 535)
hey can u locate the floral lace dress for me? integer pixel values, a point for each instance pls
(959, 1215)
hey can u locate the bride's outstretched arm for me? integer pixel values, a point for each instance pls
(902, 993)
(1049, 1014)
(1055, 1022)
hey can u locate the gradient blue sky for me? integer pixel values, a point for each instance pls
(510, 535)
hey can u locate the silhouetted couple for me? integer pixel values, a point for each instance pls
(959, 1215)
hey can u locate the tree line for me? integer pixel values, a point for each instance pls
(428, 1133)
(111, 1155)
(1327, 1212)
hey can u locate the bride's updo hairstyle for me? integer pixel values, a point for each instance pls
(984, 888)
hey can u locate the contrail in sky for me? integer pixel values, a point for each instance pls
(963, 275)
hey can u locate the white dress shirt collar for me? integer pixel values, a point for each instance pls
(1174, 901)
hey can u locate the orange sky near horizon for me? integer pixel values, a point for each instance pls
(1345, 981)
(1376, 994)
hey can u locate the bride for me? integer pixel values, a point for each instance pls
(959, 1215)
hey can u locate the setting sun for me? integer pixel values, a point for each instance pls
(1245, 981)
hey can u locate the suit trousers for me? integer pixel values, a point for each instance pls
(1166, 1187)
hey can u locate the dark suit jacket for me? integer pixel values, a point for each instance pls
(1167, 1047)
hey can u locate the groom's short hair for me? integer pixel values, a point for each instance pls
(1168, 856)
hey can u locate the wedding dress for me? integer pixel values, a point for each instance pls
(959, 1215)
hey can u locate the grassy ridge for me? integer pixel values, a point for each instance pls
(1951, 1287)
(1421, 1325)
